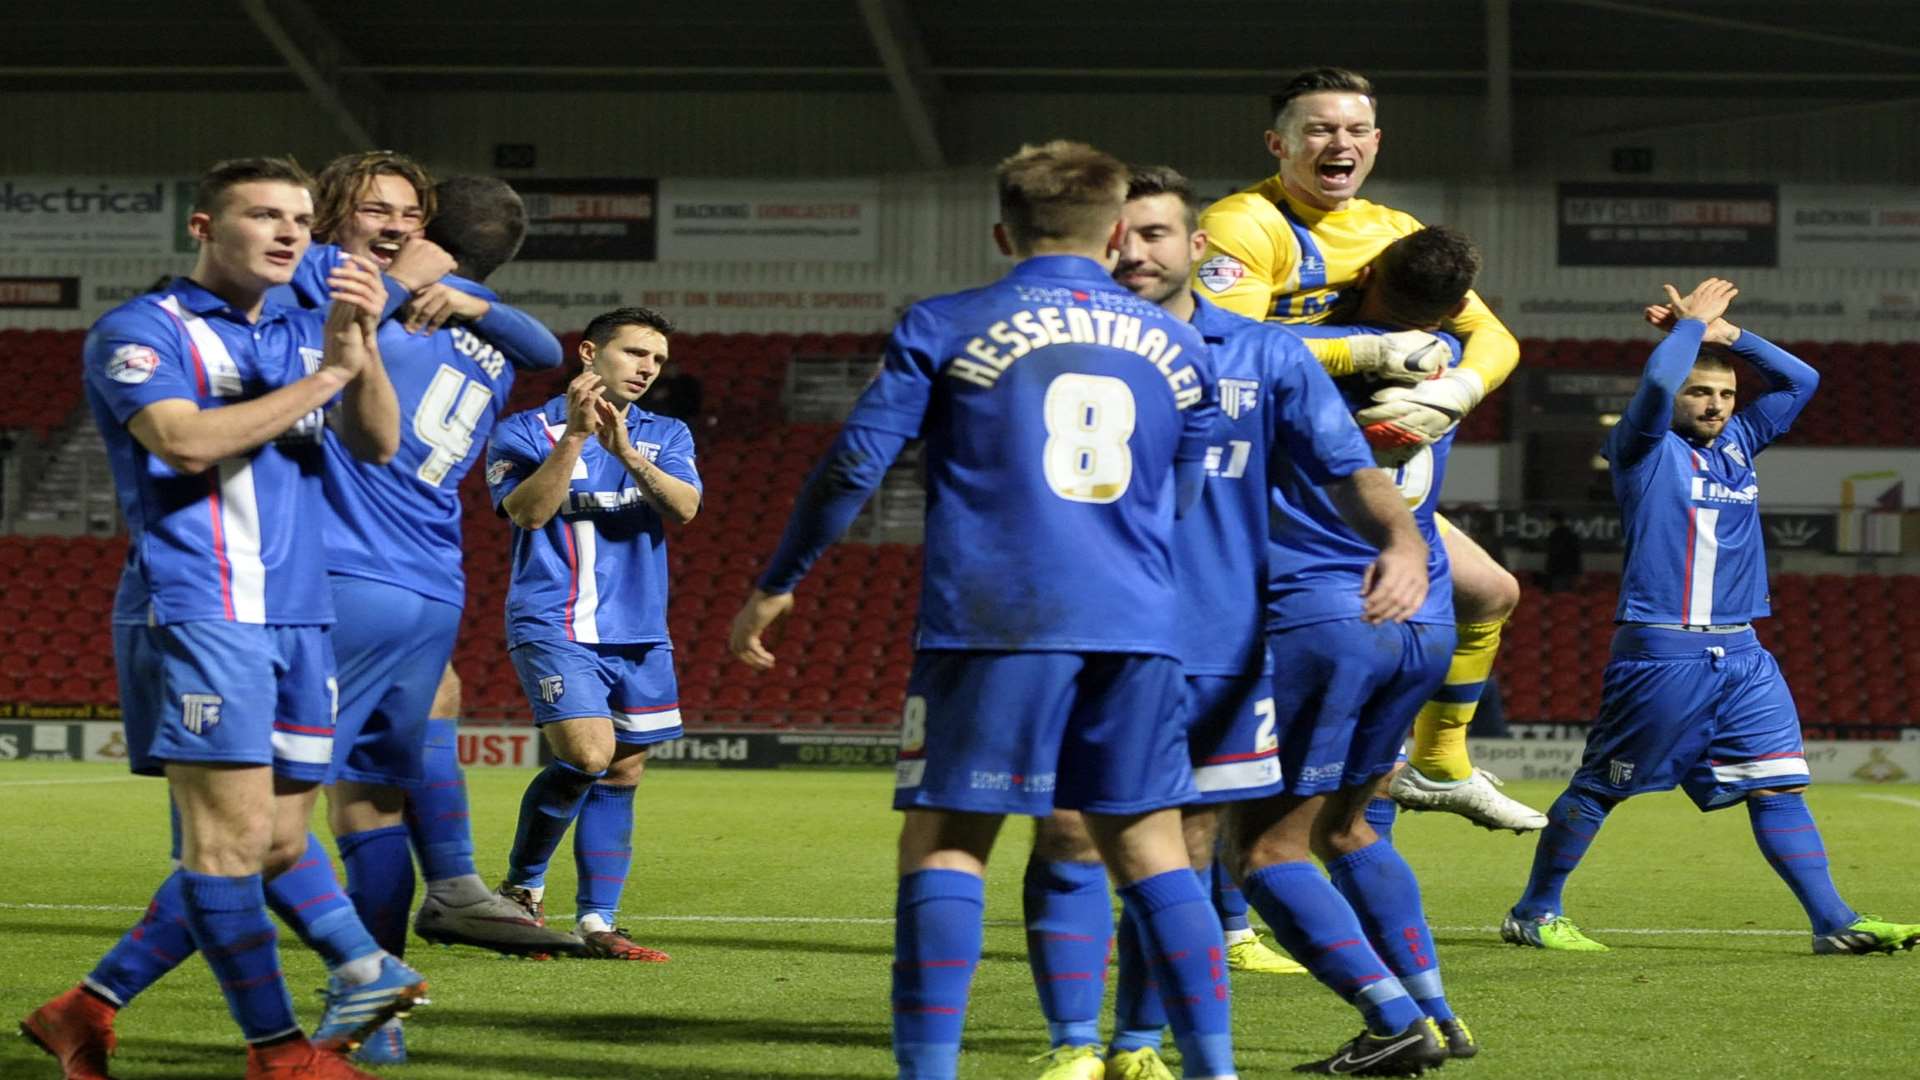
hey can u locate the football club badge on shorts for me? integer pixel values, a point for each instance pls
(1619, 773)
(132, 364)
(552, 688)
(1220, 273)
(199, 712)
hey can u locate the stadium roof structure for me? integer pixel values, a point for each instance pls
(351, 53)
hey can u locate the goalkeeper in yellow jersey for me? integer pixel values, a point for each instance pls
(1284, 250)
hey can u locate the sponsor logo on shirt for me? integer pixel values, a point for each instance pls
(1705, 490)
(1239, 396)
(1220, 273)
(199, 712)
(132, 364)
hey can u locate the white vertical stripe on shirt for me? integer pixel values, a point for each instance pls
(240, 530)
(223, 375)
(586, 603)
(1706, 550)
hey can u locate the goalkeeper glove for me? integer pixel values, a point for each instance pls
(1406, 356)
(1420, 415)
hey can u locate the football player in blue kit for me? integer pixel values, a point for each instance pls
(1689, 697)
(1348, 686)
(213, 402)
(1065, 422)
(1274, 400)
(589, 481)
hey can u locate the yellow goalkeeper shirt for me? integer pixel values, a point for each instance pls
(1272, 257)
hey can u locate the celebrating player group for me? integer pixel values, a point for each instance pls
(1186, 597)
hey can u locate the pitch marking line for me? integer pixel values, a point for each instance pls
(837, 920)
(96, 780)
(1901, 799)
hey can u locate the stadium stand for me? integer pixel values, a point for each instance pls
(844, 660)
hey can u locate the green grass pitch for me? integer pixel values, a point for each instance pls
(773, 892)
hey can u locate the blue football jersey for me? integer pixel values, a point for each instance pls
(399, 523)
(1317, 563)
(597, 571)
(1272, 395)
(1695, 549)
(242, 540)
(1054, 405)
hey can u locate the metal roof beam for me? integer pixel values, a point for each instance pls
(323, 65)
(1722, 22)
(903, 54)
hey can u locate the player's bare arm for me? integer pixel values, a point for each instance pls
(1708, 302)
(1396, 584)
(368, 420)
(538, 498)
(671, 497)
(750, 625)
(438, 304)
(420, 263)
(192, 440)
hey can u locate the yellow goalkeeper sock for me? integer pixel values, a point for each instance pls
(1440, 731)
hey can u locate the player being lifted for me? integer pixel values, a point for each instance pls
(1285, 250)
(212, 401)
(1275, 399)
(1065, 420)
(589, 481)
(1689, 697)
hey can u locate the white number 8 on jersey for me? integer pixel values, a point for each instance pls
(1089, 420)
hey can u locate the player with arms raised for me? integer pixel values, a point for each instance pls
(1065, 420)
(212, 401)
(1285, 250)
(589, 481)
(1690, 698)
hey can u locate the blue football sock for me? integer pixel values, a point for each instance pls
(437, 816)
(230, 925)
(1069, 927)
(158, 943)
(380, 882)
(1138, 1013)
(1317, 925)
(936, 945)
(1381, 814)
(308, 899)
(1784, 829)
(551, 803)
(1181, 937)
(1228, 901)
(1383, 892)
(1573, 821)
(603, 850)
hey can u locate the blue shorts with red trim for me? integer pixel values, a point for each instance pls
(210, 692)
(1230, 737)
(1345, 694)
(1022, 733)
(1708, 713)
(633, 685)
(391, 645)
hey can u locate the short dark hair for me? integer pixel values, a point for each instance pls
(1425, 274)
(603, 326)
(1148, 180)
(1322, 80)
(1060, 190)
(346, 176)
(211, 191)
(481, 223)
(1714, 361)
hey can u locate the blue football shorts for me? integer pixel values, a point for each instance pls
(1230, 737)
(225, 692)
(391, 645)
(631, 684)
(1024, 732)
(1709, 713)
(1345, 694)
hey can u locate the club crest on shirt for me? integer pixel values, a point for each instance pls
(132, 364)
(311, 358)
(1734, 453)
(199, 712)
(1239, 396)
(1221, 273)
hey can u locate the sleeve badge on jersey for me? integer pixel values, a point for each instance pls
(133, 364)
(498, 472)
(1220, 273)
